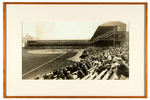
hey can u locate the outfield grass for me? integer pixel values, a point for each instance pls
(31, 61)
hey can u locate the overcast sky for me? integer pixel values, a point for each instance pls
(60, 30)
(56, 30)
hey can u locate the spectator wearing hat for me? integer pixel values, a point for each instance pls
(69, 75)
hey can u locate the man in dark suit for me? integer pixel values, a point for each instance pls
(85, 69)
(80, 74)
(123, 69)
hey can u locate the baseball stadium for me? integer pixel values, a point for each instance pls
(105, 56)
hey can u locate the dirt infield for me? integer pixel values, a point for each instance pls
(77, 56)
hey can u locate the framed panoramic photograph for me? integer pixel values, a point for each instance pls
(75, 50)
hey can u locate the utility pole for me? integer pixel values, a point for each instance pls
(114, 36)
(93, 42)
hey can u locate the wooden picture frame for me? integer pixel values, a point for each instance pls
(75, 3)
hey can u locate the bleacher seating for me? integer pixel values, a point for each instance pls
(100, 64)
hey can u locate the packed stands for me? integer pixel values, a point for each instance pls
(101, 63)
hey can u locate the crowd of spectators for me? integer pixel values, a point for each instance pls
(110, 62)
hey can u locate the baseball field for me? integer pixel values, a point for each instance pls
(41, 61)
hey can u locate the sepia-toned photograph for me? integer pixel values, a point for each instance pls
(75, 50)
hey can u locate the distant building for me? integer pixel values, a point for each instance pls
(25, 39)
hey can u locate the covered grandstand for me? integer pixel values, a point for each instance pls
(110, 33)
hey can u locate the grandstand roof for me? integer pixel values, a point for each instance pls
(113, 23)
(106, 29)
